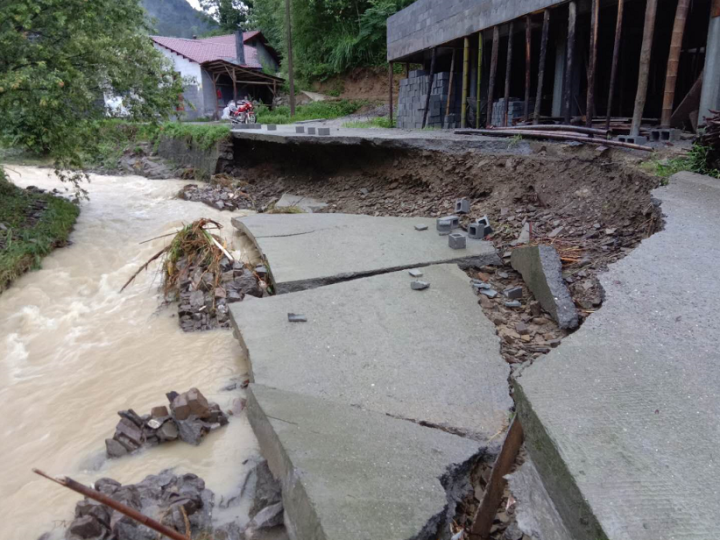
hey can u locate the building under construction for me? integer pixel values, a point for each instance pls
(630, 65)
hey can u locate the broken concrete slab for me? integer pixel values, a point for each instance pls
(306, 204)
(541, 270)
(430, 357)
(351, 474)
(309, 250)
(621, 420)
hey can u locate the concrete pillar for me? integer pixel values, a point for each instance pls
(559, 78)
(710, 98)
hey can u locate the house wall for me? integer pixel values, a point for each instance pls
(266, 59)
(195, 94)
(429, 23)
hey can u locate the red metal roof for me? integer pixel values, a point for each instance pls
(210, 49)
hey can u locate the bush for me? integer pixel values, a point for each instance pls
(312, 111)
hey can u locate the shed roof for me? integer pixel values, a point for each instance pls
(211, 49)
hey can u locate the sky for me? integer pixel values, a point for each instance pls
(194, 3)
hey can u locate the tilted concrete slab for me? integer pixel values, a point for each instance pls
(429, 356)
(623, 419)
(349, 474)
(306, 204)
(308, 250)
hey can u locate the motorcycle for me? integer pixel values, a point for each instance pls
(243, 113)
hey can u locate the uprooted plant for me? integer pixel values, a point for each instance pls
(200, 273)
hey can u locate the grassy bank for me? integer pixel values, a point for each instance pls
(317, 110)
(24, 239)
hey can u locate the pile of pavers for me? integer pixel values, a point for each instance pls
(189, 419)
(413, 96)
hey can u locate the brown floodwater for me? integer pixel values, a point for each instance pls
(74, 351)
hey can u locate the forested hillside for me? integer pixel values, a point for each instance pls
(329, 36)
(177, 18)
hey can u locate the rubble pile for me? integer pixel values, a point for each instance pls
(165, 497)
(189, 419)
(204, 297)
(218, 196)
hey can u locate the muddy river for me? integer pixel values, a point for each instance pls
(74, 351)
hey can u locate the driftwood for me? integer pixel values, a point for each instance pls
(115, 505)
(551, 136)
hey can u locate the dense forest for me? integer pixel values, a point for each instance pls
(177, 18)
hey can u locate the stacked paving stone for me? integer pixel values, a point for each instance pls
(413, 95)
(516, 111)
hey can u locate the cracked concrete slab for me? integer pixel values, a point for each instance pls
(306, 204)
(350, 474)
(622, 420)
(309, 250)
(430, 356)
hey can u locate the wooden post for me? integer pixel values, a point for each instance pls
(674, 61)
(541, 67)
(644, 71)
(291, 73)
(390, 83)
(215, 90)
(450, 84)
(508, 70)
(616, 55)
(572, 19)
(528, 64)
(466, 80)
(479, 79)
(594, 25)
(407, 70)
(430, 83)
(493, 73)
(234, 86)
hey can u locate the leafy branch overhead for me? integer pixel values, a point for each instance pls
(59, 58)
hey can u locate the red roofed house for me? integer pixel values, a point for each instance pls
(228, 67)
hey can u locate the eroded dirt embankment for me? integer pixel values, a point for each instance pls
(592, 206)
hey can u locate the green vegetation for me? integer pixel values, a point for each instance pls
(329, 36)
(695, 161)
(177, 18)
(58, 58)
(23, 243)
(285, 210)
(312, 111)
(379, 122)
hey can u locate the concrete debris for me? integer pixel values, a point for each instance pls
(218, 196)
(419, 285)
(421, 227)
(295, 318)
(415, 273)
(514, 293)
(524, 237)
(513, 304)
(457, 241)
(541, 269)
(490, 293)
(190, 418)
(306, 204)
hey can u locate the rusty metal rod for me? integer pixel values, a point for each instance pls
(541, 67)
(528, 64)
(644, 70)
(508, 71)
(674, 61)
(572, 23)
(616, 56)
(115, 505)
(493, 73)
(510, 132)
(594, 26)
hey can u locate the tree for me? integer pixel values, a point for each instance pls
(231, 15)
(58, 58)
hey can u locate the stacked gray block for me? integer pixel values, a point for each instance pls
(413, 95)
(516, 111)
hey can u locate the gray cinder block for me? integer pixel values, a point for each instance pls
(444, 225)
(299, 129)
(457, 241)
(323, 131)
(462, 206)
(311, 131)
(271, 127)
(476, 231)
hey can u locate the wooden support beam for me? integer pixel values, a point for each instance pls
(644, 70)
(594, 26)
(429, 89)
(508, 71)
(541, 67)
(479, 79)
(450, 84)
(616, 56)
(493, 73)
(690, 103)
(291, 72)
(466, 80)
(674, 61)
(234, 88)
(217, 104)
(528, 64)
(572, 24)
(391, 80)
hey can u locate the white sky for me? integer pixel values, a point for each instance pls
(194, 3)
